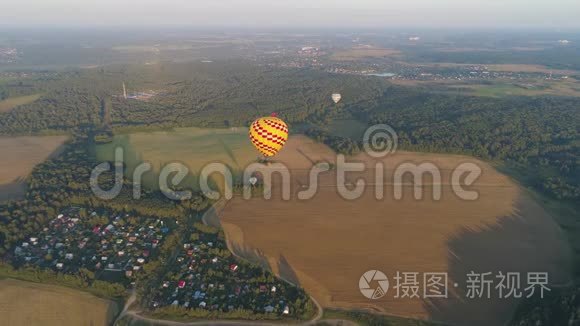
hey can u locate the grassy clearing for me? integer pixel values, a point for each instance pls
(193, 147)
(532, 87)
(25, 303)
(348, 128)
(12, 102)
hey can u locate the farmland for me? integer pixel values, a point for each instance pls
(340, 240)
(12, 102)
(194, 147)
(24, 303)
(19, 156)
(360, 52)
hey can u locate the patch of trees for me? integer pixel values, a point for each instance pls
(84, 280)
(558, 307)
(341, 145)
(538, 136)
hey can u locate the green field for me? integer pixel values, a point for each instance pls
(527, 88)
(348, 128)
(194, 147)
(12, 102)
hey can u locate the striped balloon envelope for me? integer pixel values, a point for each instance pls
(268, 135)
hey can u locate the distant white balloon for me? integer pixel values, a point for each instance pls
(336, 97)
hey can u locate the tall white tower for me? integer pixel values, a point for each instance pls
(124, 91)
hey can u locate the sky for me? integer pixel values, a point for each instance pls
(295, 13)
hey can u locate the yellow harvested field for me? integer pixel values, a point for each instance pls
(29, 304)
(326, 243)
(19, 156)
(12, 102)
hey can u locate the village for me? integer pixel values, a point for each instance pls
(202, 274)
(206, 276)
(114, 246)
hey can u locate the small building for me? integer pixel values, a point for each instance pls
(268, 309)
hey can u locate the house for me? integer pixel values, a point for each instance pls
(181, 284)
(263, 288)
(68, 256)
(268, 309)
(202, 304)
(234, 267)
(273, 289)
(286, 310)
(59, 265)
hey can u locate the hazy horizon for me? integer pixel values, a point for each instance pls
(296, 14)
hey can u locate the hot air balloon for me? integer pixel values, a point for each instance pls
(336, 97)
(268, 135)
